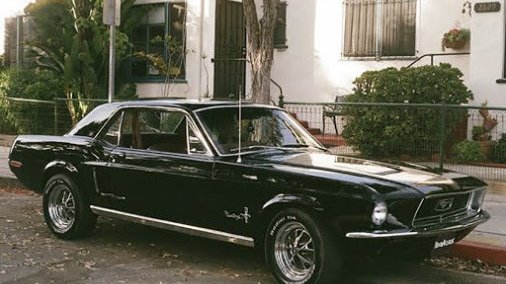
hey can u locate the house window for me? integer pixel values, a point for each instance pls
(379, 28)
(159, 44)
(280, 29)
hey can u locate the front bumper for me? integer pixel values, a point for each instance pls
(433, 230)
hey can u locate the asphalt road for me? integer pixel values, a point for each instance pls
(120, 252)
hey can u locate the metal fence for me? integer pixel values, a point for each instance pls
(462, 138)
(467, 139)
(26, 116)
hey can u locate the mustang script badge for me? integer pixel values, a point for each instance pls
(239, 216)
(444, 205)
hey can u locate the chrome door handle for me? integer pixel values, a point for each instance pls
(250, 177)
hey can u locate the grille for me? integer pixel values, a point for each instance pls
(435, 209)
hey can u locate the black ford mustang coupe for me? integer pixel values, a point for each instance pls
(251, 176)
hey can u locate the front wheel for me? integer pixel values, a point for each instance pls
(299, 249)
(66, 212)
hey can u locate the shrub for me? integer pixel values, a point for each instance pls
(468, 151)
(500, 150)
(381, 131)
(7, 121)
(3, 63)
(29, 117)
(31, 84)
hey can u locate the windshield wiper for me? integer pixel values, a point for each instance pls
(300, 145)
(260, 147)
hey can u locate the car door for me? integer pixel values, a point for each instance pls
(159, 160)
(106, 141)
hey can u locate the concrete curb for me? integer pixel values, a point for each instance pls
(487, 253)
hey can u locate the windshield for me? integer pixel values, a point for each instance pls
(261, 128)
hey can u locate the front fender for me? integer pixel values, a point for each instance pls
(61, 165)
(293, 199)
(57, 166)
(279, 203)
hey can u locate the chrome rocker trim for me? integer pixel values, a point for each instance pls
(480, 218)
(172, 226)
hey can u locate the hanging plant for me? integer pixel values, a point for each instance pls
(456, 38)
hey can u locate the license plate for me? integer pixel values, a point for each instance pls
(443, 242)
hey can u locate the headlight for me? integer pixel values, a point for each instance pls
(379, 214)
(477, 198)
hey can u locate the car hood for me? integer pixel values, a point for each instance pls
(425, 179)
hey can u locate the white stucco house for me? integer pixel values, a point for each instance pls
(321, 45)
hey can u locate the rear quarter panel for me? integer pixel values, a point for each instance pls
(40, 154)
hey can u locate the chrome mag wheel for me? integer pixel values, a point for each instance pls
(61, 208)
(294, 252)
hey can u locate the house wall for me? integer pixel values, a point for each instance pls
(312, 69)
(487, 57)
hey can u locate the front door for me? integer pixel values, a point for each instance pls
(230, 48)
(158, 161)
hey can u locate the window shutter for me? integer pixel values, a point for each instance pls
(280, 29)
(397, 20)
(399, 26)
(360, 28)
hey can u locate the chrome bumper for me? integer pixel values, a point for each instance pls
(477, 219)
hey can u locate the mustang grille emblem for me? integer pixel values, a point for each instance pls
(444, 204)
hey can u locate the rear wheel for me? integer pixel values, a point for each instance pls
(66, 212)
(299, 249)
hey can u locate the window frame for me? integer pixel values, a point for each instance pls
(160, 78)
(378, 42)
(190, 123)
(118, 114)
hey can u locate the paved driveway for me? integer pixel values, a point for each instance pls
(120, 252)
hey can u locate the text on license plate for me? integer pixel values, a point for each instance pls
(443, 243)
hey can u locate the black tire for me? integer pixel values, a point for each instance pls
(295, 263)
(62, 197)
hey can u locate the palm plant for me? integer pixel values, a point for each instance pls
(72, 42)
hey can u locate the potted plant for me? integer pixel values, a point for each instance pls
(481, 133)
(455, 38)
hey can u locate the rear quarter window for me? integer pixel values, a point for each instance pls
(91, 124)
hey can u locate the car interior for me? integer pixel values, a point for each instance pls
(153, 130)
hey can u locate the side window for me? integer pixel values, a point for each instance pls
(195, 144)
(156, 130)
(113, 132)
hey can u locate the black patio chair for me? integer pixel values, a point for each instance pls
(332, 112)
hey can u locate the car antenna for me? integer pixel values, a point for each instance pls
(239, 160)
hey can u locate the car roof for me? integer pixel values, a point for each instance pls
(185, 103)
(94, 121)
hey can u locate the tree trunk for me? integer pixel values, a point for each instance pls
(260, 35)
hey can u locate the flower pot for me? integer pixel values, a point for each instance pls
(486, 148)
(483, 112)
(459, 44)
(489, 123)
